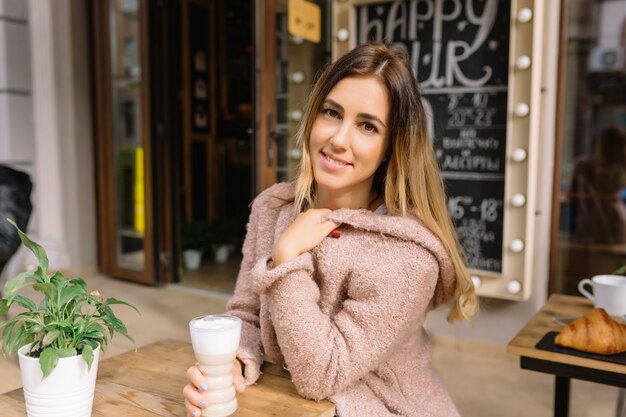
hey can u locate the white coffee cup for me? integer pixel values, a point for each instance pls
(215, 339)
(609, 293)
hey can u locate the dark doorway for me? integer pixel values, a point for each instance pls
(215, 160)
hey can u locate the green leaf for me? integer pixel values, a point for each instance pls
(67, 352)
(88, 355)
(80, 282)
(14, 284)
(68, 294)
(103, 344)
(47, 288)
(50, 337)
(48, 361)
(114, 323)
(91, 343)
(34, 247)
(92, 326)
(56, 278)
(16, 340)
(81, 326)
(34, 328)
(25, 302)
(59, 323)
(4, 306)
(620, 271)
(110, 301)
(6, 334)
(25, 339)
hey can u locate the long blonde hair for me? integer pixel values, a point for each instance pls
(409, 179)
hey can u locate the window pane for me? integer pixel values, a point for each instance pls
(127, 141)
(592, 227)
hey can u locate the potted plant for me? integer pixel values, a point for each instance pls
(58, 340)
(224, 236)
(193, 242)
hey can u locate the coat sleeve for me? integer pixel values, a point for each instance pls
(387, 299)
(245, 303)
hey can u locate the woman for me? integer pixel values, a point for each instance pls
(341, 266)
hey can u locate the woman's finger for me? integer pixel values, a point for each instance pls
(238, 380)
(193, 400)
(190, 410)
(196, 378)
(303, 234)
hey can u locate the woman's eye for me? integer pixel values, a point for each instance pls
(331, 113)
(369, 127)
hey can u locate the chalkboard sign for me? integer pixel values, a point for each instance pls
(459, 51)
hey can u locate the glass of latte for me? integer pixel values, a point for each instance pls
(215, 339)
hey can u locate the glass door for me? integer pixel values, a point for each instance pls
(286, 68)
(123, 139)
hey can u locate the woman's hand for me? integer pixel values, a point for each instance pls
(305, 233)
(194, 402)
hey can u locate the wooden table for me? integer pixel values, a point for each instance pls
(562, 366)
(149, 382)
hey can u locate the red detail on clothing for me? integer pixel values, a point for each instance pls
(336, 234)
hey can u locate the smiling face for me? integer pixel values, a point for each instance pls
(348, 141)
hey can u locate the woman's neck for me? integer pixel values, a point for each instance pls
(337, 200)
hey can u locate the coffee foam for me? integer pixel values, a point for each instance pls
(215, 335)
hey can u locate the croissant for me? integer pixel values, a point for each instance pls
(595, 332)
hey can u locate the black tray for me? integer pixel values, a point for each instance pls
(547, 343)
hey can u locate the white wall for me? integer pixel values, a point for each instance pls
(499, 321)
(17, 139)
(53, 70)
(63, 138)
(16, 129)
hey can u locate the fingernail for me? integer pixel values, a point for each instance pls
(202, 404)
(203, 387)
(194, 412)
(242, 384)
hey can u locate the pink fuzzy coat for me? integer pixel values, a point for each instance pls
(346, 318)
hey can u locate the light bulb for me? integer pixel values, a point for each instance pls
(514, 287)
(297, 77)
(517, 245)
(343, 34)
(476, 281)
(522, 110)
(519, 155)
(518, 200)
(296, 115)
(523, 62)
(525, 15)
(295, 153)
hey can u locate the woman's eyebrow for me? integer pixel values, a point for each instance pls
(333, 103)
(362, 115)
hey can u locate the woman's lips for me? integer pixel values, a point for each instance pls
(334, 162)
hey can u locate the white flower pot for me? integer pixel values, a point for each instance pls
(221, 253)
(67, 392)
(192, 258)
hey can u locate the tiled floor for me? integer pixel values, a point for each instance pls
(214, 276)
(483, 379)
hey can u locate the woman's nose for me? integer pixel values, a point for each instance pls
(341, 137)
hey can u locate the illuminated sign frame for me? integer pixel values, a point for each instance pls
(522, 136)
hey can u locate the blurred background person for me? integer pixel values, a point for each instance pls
(598, 210)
